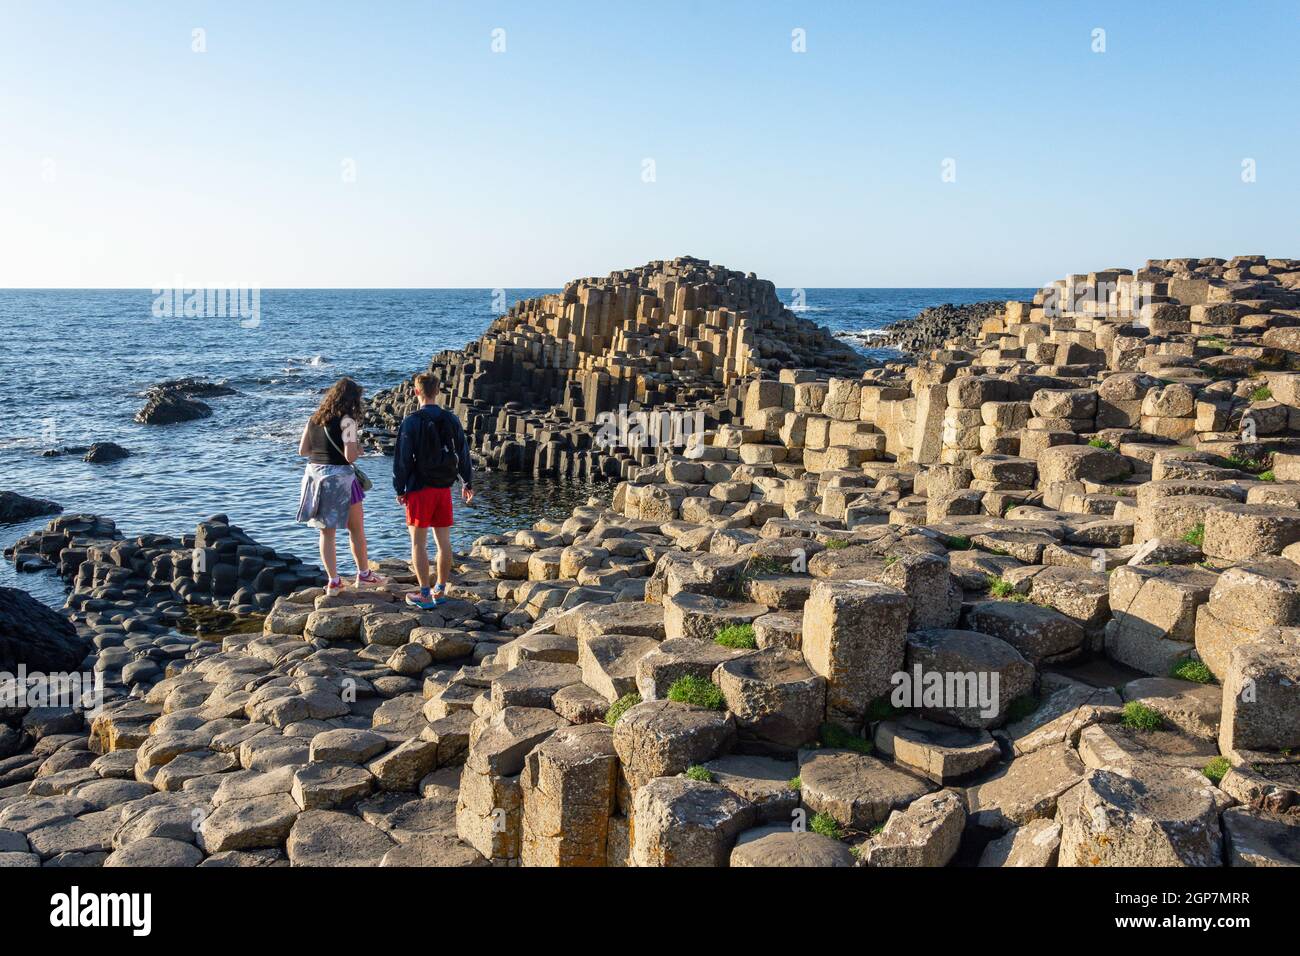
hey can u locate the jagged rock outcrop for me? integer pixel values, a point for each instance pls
(671, 336)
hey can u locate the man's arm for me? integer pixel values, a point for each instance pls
(401, 454)
(462, 454)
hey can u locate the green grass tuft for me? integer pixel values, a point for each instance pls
(1267, 475)
(958, 542)
(1101, 443)
(1261, 394)
(1193, 670)
(795, 783)
(1217, 769)
(621, 706)
(835, 544)
(835, 736)
(737, 636)
(696, 772)
(1138, 716)
(880, 709)
(1021, 707)
(698, 691)
(1005, 590)
(1196, 537)
(825, 824)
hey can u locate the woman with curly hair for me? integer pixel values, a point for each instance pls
(331, 493)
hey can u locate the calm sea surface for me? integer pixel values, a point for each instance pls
(74, 364)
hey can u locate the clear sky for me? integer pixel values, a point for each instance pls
(127, 159)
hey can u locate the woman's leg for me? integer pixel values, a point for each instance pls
(328, 555)
(357, 537)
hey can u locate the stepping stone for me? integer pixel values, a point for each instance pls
(701, 616)
(1026, 789)
(681, 657)
(779, 629)
(579, 704)
(443, 644)
(1193, 708)
(433, 850)
(89, 833)
(404, 818)
(568, 788)
(248, 824)
(763, 781)
(176, 821)
(854, 636)
(1270, 783)
(1116, 747)
(609, 662)
(859, 791)
(775, 699)
(409, 659)
(939, 753)
(499, 743)
(156, 852)
(1068, 708)
(639, 619)
(1255, 838)
(403, 768)
(661, 738)
(683, 822)
(1037, 844)
(103, 794)
(326, 786)
(1154, 623)
(780, 846)
(249, 858)
(329, 838)
(927, 833)
(346, 746)
(28, 815)
(1147, 816)
(1261, 697)
(1040, 634)
(533, 684)
(193, 766)
(552, 648)
(962, 659)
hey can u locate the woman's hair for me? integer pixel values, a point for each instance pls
(343, 398)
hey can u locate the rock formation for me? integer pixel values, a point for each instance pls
(668, 337)
(1034, 602)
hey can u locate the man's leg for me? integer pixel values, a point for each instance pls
(420, 556)
(443, 537)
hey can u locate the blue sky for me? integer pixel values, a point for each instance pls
(128, 159)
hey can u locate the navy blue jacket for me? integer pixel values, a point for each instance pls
(405, 476)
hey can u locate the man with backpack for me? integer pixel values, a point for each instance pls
(432, 452)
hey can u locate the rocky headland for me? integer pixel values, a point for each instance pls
(1030, 599)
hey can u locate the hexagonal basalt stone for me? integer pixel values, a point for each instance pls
(683, 822)
(1143, 817)
(773, 696)
(660, 738)
(781, 846)
(859, 791)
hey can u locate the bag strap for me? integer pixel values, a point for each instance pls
(342, 453)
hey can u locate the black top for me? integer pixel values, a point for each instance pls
(320, 451)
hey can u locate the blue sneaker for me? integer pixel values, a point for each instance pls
(417, 599)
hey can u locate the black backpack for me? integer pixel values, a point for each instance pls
(436, 463)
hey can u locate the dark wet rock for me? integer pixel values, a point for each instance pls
(103, 452)
(32, 634)
(15, 507)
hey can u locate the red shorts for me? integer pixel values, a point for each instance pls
(429, 508)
